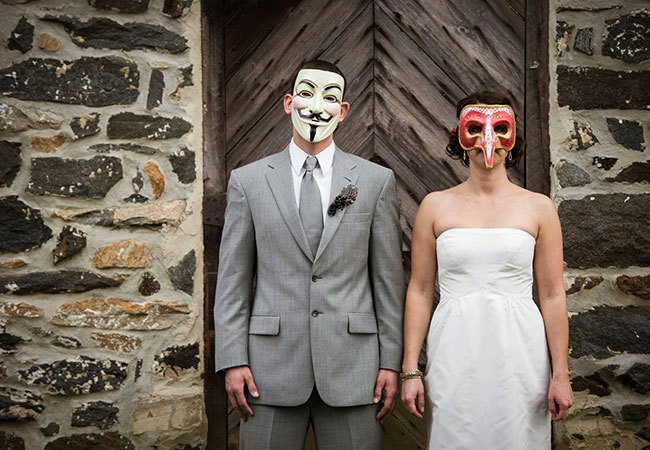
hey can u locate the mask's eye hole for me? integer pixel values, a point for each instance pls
(474, 128)
(330, 98)
(501, 129)
(305, 94)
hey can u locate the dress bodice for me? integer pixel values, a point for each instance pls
(489, 260)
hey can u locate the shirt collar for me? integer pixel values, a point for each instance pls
(325, 158)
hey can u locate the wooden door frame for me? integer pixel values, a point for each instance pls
(215, 172)
(214, 203)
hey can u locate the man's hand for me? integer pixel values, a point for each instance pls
(413, 396)
(386, 383)
(236, 379)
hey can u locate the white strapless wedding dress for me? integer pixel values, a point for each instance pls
(488, 370)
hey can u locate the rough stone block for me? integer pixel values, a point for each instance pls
(19, 404)
(638, 286)
(593, 383)
(156, 178)
(637, 172)
(170, 213)
(9, 309)
(175, 360)
(117, 342)
(583, 41)
(21, 227)
(595, 88)
(11, 441)
(91, 178)
(582, 137)
(637, 378)
(151, 415)
(603, 162)
(106, 33)
(95, 441)
(148, 284)
(635, 413)
(136, 148)
(12, 264)
(127, 254)
(114, 313)
(603, 230)
(176, 8)
(627, 37)
(188, 413)
(563, 32)
(56, 282)
(90, 81)
(122, 6)
(156, 89)
(49, 43)
(102, 415)
(10, 162)
(47, 144)
(184, 79)
(52, 429)
(581, 283)
(570, 175)
(85, 126)
(9, 342)
(184, 165)
(70, 242)
(82, 375)
(128, 125)
(182, 273)
(17, 118)
(628, 133)
(22, 36)
(606, 331)
(66, 342)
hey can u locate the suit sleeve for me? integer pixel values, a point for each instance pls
(387, 278)
(234, 281)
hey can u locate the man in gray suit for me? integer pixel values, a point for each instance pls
(308, 311)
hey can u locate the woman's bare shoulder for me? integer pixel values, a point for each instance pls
(438, 198)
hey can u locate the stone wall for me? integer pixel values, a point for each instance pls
(100, 225)
(599, 123)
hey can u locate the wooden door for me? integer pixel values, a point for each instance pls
(407, 63)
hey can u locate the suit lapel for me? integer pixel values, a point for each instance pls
(343, 174)
(280, 180)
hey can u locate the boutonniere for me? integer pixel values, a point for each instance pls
(347, 196)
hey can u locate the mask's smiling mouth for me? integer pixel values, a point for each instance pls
(314, 119)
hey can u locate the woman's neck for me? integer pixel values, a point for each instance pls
(488, 182)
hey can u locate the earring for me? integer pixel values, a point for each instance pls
(511, 156)
(465, 157)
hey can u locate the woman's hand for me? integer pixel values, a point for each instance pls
(560, 398)
(413, 396)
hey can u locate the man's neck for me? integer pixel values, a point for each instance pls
(311, 148)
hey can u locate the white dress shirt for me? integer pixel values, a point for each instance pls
(322, 174)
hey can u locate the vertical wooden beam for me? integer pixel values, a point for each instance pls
(537, 156)
(214, 187)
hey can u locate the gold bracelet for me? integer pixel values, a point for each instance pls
(410, 375)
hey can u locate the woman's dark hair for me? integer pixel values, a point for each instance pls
(455, 151)
(317, 64)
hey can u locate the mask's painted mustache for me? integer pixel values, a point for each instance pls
(314, 117)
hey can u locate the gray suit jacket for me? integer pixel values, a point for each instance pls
(331, 320)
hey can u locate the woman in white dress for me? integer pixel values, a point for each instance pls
(489, 382)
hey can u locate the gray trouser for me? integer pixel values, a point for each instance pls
(285, 428)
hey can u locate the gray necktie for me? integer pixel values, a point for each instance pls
(311, 208)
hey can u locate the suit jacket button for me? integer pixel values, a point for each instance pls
(315, 313)
(315, 278)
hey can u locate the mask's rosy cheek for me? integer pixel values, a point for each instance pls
(299, 103)
(333, 109)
